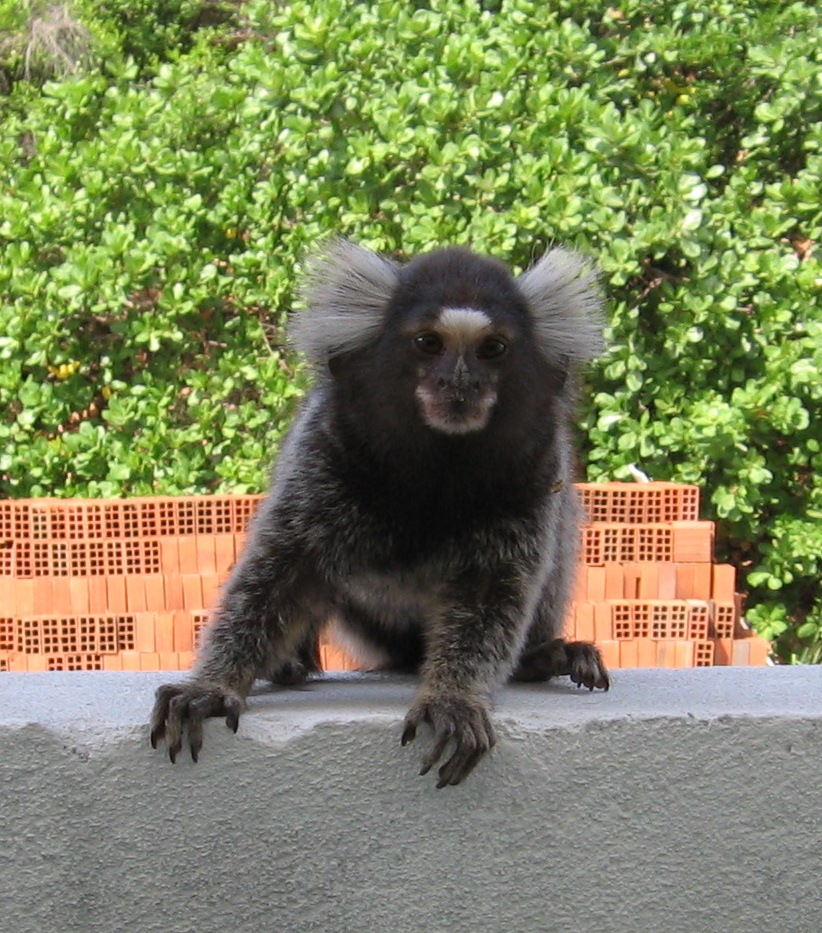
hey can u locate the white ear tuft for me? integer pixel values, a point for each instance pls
(346, 290)
(563, 295)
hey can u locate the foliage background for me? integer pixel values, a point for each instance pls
(165, 165)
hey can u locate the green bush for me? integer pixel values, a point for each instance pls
(155, 208)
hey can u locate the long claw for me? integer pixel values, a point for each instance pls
(184, 707)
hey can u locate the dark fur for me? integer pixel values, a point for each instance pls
(448, 553)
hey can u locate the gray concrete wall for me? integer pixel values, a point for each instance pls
(680, 801)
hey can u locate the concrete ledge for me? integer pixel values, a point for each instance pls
(680, 801)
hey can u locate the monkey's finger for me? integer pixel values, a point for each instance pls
(409, 733)
(197, 711)
(441, 738)
(458, 767)
(471, 745)
(177, 714)
(232, 707)
(159, 714)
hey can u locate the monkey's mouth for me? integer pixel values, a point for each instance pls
(454, 412)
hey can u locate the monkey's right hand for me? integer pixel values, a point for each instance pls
(458, 720)
(190, 703)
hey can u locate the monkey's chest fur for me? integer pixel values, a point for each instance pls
(421, 547)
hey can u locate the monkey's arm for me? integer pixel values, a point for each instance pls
(263, 617)
(470, 648)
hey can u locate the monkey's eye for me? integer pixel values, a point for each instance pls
(492, 348)
(429, 343)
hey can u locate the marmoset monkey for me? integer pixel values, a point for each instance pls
(422, 499)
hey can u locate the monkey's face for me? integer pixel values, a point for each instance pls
(459, 354)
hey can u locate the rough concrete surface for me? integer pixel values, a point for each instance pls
(680, 801)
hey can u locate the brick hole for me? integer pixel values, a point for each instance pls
(130, 520)
(126, 629)
(166, 518)
(186, 518)
(6, 557)
(7, 633)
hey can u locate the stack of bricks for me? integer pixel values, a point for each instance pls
(648, 591)
(112, 584)
(127, 584)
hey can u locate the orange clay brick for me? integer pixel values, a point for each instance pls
(183, 632)
(239, 544)
(649, 582)
(131, 660)
(639, 502)
(741, 652)
(8, 629)
(79, 594)
(35, 663)
(144, 632)
(685, 581)
(723, 651)
(23, 597)
(693, 542)
(136, 593)
(684, 654)
(584, 622)
(580, 590)
(169, 555)
(610, 653)
(164, 632)
(590, 551)
(614, 581)
(155, 592)
(646, 652)
(173, 591)
(703, 580)
(569, 625)
(126, 627)
(699, 619)
(186, 659)
(724, 619)
(112, 662)
(149, 661)
(7, 549)
(210, 584)
(596, 584)
(42, 596)
(206, 559)
(223, 553)
(97, 594)
(187, 547)
(610, 543)
(169, 661)
(116, 594)
(760, 650)
(629, 653)
(61, 595)
(703, 653)
(199, 622)
(723, 587)
(333, 658)
(631, 573)
(192, 591)
(667, 580)
(675, 653)
(603, 625)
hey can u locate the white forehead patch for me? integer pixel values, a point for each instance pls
(464, 324)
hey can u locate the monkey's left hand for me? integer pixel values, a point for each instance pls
(462, 720)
